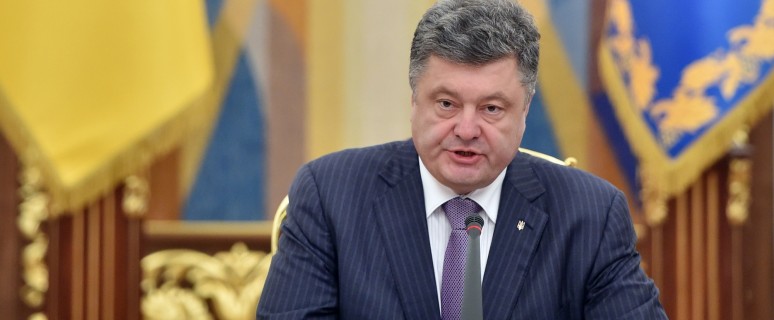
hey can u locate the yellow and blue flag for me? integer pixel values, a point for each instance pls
(682, 80)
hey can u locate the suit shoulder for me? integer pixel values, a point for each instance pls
(358, 159)
(349, 178)
(569, 180)
(577, 197)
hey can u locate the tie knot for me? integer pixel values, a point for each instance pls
(458, 209)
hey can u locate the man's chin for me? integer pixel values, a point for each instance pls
(463, 184)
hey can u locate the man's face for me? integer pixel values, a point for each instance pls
(467, 121)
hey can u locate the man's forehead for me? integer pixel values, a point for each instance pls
(445, 72)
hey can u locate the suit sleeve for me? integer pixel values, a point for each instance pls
(302, 281)
(618, 288)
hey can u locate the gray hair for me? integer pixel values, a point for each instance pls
(476, 32)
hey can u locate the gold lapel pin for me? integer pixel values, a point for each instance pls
(520, 226)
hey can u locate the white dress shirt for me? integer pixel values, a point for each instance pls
(438, 226)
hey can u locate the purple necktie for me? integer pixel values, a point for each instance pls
(457, 210)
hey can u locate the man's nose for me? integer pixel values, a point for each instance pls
(467, 127)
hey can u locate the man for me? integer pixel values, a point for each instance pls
(367, 234)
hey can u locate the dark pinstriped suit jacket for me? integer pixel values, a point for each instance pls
(355, 245)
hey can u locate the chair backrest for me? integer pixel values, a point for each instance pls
(279, 216)
(282, 210)
(569, 161)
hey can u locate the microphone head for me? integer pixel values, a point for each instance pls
(473, 225)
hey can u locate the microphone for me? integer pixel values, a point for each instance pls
(472, 301)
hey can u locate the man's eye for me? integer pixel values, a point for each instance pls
(445, 104)
(492, 109)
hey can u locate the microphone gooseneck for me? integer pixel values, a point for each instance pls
(472, 302)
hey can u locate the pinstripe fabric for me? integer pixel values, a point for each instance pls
(355, 245)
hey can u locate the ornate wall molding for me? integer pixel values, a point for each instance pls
(654, 200)
(184, 284)
(739, 178)
(33, 212)
(136, 196)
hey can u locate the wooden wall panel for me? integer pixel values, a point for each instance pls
(709, 267)
(164, 178)
(713, 246)
(94, 259)
(11, 241)
(725, 262)
(205, 237)
(757, 235)
(58, 299)
(666, 262)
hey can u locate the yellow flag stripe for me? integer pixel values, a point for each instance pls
(91, 83)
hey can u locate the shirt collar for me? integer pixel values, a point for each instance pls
(437, 194)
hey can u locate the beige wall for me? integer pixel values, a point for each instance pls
(357, 81)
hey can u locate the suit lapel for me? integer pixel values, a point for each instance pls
(512, 247)
(400, 213)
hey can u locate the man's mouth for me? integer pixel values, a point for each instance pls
(465, 153)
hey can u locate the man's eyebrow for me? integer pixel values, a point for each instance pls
(496, 96)
(439, 90)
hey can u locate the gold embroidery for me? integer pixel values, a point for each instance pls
(690, 108)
